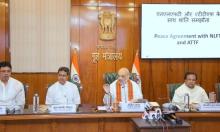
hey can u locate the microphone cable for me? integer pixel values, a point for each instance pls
(161, 122)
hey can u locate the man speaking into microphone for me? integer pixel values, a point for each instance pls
(123, 89)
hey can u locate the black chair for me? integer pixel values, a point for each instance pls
(26, 87)
(217, 90)
(77, 84)
(110, 77)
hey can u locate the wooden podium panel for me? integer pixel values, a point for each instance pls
(141, 125)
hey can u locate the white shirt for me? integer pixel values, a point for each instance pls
(63, 94)
(196, 95)
(137, 93)
(12, 94)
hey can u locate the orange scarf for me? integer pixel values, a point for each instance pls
(118, 91)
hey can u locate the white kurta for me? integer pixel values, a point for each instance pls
(137, 93)
(63, 94)
(12, 94)
(196, 95)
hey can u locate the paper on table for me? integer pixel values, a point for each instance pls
(101, 107)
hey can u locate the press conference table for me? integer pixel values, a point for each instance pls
(87, 119)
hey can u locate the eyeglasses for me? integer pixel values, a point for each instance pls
(122, 76)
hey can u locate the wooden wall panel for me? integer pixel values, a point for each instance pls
(137, 29)
(111, 125)
(159, 79)
(3, 28)
(37, 82)
(144, 64)
(146, 78)
(7, 29)
(22, 125)
(209, 68)
(211, 1)
(157, 1)
(70, 125)
(89, 2)
(107, 3)
(81, 125)
(88, 42)
(125, 37)
(176, 70)
(195, 65)
(125, 3)
(139, 2)
(75, 2)
(103, 65)
(75, 29)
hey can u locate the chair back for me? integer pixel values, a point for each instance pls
(110, 77)
(217, 90)
(26, 87)
(171, 89)
(78, 86)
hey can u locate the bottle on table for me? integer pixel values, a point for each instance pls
(186, 102)
(35, 103)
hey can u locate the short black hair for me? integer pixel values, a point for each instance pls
(190, 73)
(5, 64)
(65, 69)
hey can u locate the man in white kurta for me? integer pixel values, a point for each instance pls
(137, 94)
(11, 90)
(196, 93)
(123, 79)
(63, 91)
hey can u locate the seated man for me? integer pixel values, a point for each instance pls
(11, 90)
(63, 91)
(123, 89)
(196, 93)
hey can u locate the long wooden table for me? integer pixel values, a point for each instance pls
(92, 121)
(87, 119)
(99, 122)
(202, 121)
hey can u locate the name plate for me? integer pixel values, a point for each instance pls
(209, 107)
(3, 110)
(132, 107)
(62, 109)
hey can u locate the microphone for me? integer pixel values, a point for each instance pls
(178, 121)
(122, 82)
(147, 107)
(170, 118)
(154, 117)
(170, 107)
